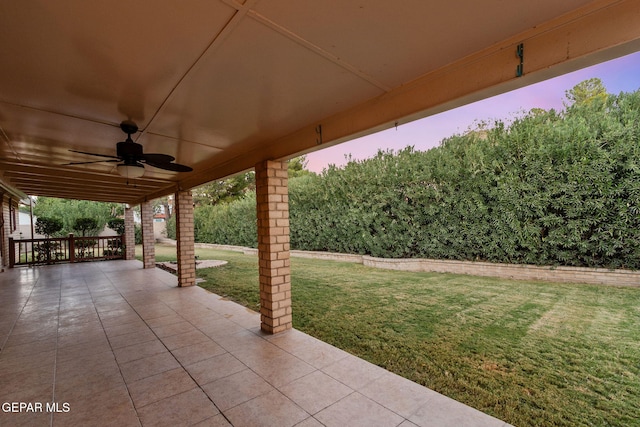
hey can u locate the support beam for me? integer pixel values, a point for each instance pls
(273, 246)
(601, 31)
(185, 239)
(129, 233)
(148, 239)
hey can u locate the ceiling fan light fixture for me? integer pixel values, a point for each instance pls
(130, 171)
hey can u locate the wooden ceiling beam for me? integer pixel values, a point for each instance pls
(81, 188)
(96, 197)
(34, 179)
(10, 166)
(47, 181)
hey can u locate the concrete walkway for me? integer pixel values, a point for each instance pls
(109, 343)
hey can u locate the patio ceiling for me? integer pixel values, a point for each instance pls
(221, 85)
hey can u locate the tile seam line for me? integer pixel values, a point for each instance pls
(13, 325)
(55, 358)
(222, 346)
(258, 334)
(109, 341)
(231, 353)
(168, 350)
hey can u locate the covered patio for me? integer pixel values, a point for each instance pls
(207, 90)
(113, 344)
(217, 88)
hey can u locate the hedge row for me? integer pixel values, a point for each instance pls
(550, 189)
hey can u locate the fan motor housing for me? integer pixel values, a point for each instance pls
(129, 150)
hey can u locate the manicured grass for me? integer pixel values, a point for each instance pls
(529, 353)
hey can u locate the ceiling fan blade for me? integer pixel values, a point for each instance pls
(157, 158)
(95, 154)
(88, 163)
(164, 161)
(131, 153)
(174, 167)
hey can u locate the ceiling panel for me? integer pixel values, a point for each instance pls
(255, 87)
(104, 62)
(223, 84)
(367, 35)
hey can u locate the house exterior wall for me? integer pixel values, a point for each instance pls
(9, 226)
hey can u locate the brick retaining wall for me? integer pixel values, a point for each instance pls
(594, 276)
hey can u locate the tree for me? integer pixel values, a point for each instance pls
(115, 246)
(298, 167)
(70, 210)
(86, 225)
(117, 225)
(48, 226)
(224, 191)
(48, 250)
(587, 92)
(238, 186)
(163, 206)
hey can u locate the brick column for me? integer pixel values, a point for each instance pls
(184, 239)
(6, 233)
(273, 246)
(148, 239)
(129, 234)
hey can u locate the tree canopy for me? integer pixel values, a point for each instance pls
(72, 212)
(86, 226)
(224, 191)
(236, 187)
(48, 227)
(587, 92)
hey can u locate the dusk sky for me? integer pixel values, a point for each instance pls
(619, 75)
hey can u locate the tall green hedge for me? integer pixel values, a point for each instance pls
(231, 223)
(550, 188)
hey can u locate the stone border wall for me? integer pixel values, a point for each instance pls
(594, 276)
(358, 259)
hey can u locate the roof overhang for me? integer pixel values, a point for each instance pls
(11, 191)
(222, 85)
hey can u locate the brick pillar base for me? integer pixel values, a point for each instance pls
(184, 239)
(129, 234)
(273, 246)
(148, 239)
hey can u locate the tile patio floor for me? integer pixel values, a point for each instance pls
(124, 346)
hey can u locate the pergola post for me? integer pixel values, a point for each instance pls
(185, 239)
(129, 233)
(273, 246)
(148, 239)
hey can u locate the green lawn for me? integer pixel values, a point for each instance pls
(530, 353)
